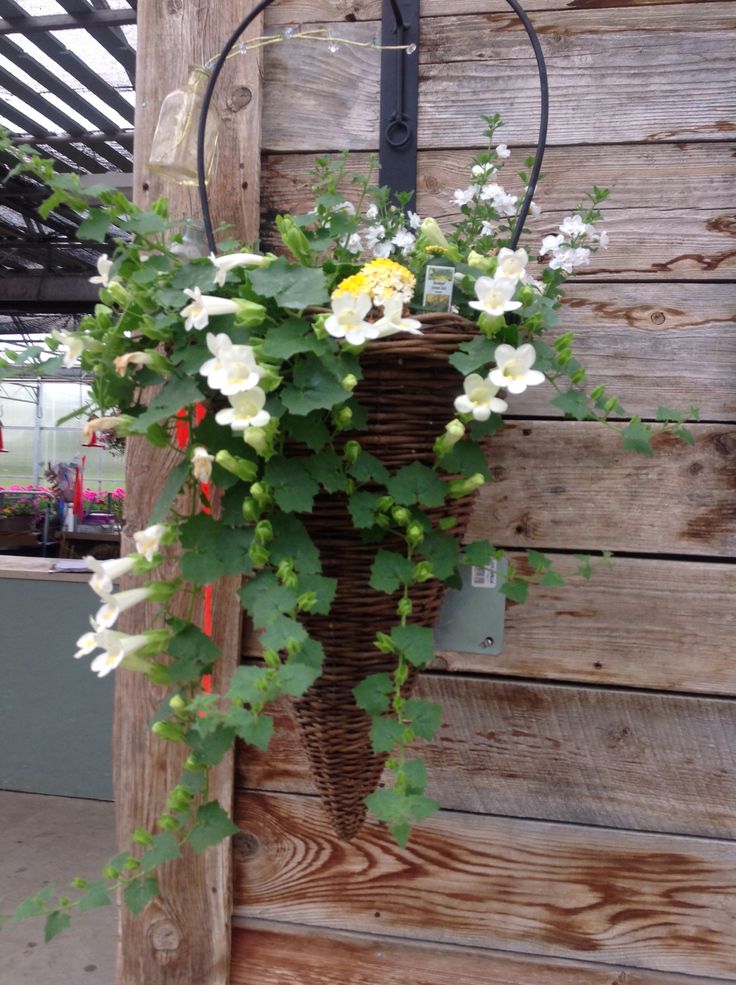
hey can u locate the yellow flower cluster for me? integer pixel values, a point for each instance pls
(381, 279)
(357, 284)
(387, 278)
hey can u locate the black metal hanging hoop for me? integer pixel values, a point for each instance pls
(260, 7)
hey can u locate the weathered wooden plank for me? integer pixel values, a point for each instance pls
(570, 485)
(660, 902)
(268, 953)
(637, 76)
(184, 935)
(652, 176)
(309, 11)
(623, 759)
(637, 625)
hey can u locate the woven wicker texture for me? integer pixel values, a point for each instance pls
(408, 391)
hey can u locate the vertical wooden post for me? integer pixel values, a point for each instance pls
(183, 937)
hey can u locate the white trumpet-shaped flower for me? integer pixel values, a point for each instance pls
(73, 342)
(511, 263)
(495, 295)
(393, 320)
(86, 644)
(479, 398)
(347, 320)
(108, 613)
(115, 648)
(223, 265)
(148, 541)
(202, 307)
(233, 368)
(104, 573)
(104, 266)
(246, 410)
(514, 368)
(202, 464)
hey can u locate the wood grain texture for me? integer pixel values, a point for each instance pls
(636, 76)
(622, 759)
(184, 935)
(268, 953)
(660, 902)
(637, 625)
(570, 485)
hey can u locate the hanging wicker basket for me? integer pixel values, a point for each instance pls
(408, 390)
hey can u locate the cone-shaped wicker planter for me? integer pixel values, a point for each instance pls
(408, 392)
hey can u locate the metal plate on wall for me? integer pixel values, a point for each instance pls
(471, 619)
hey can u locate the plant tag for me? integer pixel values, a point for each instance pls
(471, 619)
(438, 284)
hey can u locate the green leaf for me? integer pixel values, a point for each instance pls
(638, 437)
(291, 541)
(96, 894)
(95, 226)
(538, 561)
(213, 746)
(415, 642)
(417, 483)
(55, 923)
(310, 430)
(296, 678)
(139, 893)
(385, 734)
(425, 717)
(311, 653)
(416, 775)
(29, 908)
(368, 468)
(283, 631)
(482, 429)
(685, 434)
(573, 403)
(314, 388)
(171, 489)
(552, 579)
(517, 591)
(466, 458)
(249, 684)
(192, 653)
(289, 338)
(474, 354)
(390, 571)
(164, 848)
(324, 589)
(441, 550)
(291, 285)
(479, 553)
(362, 506)
(372, 695)
(668, 414)
(326, 469)
(264, 596)
(213, 824)
(254, 729)
(144, 224)
(173, 395)
(293, 487)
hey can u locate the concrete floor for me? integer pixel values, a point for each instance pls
(53, 839)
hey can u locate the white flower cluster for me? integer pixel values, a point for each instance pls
(495, 294)
(116, 646)
(379, 240)
(233, 371)
(513, 373)
(572, 246)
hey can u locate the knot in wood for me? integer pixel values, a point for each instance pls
(245, 845)
(238, 98)
(164, 936)
(658, 317)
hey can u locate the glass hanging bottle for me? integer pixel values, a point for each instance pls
(174, 145)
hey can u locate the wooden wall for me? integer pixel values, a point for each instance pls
(588, 773)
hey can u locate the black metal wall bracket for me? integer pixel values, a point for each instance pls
(397, 153)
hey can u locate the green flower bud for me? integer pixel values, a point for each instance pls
(103, 315)
(251, 509)
(258, 554)
(294, 239)
(610, 404)
(401, 674)
(563, 356)
(464, 487)
(430, 234)
(564, 341)
(527, 294)
(384, 504)
(264, 531)
(257, 439)
(269, 379)
(401, 515)
(342, 416)
(480, 262)
(169, 731)
(293, 646)
(306, 601)
(490, 325)
(79, 883)
(349, 382)
(250, 314)
(131, 864)
(193, 765)
(454, 431)
(351, 451)
(404, 608)
(110, 872)
(384, 643)
(578, 376)
(392, 763)
(422, 572)
(168, 823)
(597, 392)
(414, 534)
(179, 799)
(271, 658)
(381, 520)
(141, 837)
(447, 522)
(178, 705)
(158, 674)
(244, 468)
(117, 292)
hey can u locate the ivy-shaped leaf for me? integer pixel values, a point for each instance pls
(372, 695)
(164, 848)
(291, 285)
(173, 395)
(296, 678)
(291, 541)
(386, 733)
(56, 921)
(192, 652)
(263, 596)
(139, 893)
(390, 571)
(368, 468)
(479, 553)
(314, 388)
(326, 468)
(293, 487)
(212, 825)
(363, 506)
(573, 403)
(474, 354)
(466, 458)
(425, 717)
(638, 437)
(310, 430)
(289, 338)
(416, 643)
(417, 483)
(95, 894)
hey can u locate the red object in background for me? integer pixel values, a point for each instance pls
(3, 449)
(78, 498)
(182, 423)
(93, 442)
